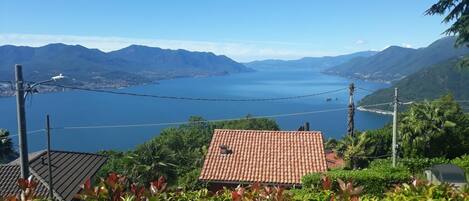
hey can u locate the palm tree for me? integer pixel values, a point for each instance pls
(354, 149)
(427, 129)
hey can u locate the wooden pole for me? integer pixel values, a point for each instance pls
(351, 112)
(49, 165)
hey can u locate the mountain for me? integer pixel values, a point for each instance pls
(128, 66)
(428, 83)
(153, 61)
(395, 63)
(319, 63)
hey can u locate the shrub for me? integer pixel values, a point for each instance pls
(310, 194)
(462, 162)
(374, 180)
(424, 191)
(418, 165)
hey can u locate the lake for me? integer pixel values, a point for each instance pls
(82, 109)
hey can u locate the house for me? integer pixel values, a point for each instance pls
(268, 157)
(446, 173)
(333, 160)
(69, 171)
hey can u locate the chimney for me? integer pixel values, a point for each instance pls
(224, 150)
(306, 126)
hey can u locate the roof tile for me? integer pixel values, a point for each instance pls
(280, 157)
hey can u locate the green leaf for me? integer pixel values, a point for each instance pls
(449, 124)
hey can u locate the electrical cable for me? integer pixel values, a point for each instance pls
(195, 98)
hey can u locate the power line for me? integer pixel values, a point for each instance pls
(29, 132)
(187, 122)
(195, 98)
(364, 89)
(179, 123)
(372, 157)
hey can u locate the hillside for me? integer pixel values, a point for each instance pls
(128, 66)
(428, 83)
(318, 63)
(395, 63)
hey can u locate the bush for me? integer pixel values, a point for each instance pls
(424, 191)
(418, 165)
(310, 194)
(462, 162)
(374, 180)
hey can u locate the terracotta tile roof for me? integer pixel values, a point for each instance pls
(276, 157)
(333, 160)
(69, 171)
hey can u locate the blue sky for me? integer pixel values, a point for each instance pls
(244, 30)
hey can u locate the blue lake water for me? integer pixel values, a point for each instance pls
(80, 108)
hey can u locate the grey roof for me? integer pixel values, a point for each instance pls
(447, 168)
(69, 171)
(449, 173)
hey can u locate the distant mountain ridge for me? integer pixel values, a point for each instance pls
(318, 63)
(395, 63)
(429, 83)
(128, 66)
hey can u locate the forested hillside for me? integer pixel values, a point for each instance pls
(429, 83)
(128, 66)
(395, 63)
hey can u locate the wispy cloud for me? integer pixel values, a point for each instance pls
(360, 42)
(239, 50)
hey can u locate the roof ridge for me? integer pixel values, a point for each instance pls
(76, 152)
(283, 131)
(36, 157)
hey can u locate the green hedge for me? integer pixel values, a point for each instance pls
(375, 180)
(418, 165)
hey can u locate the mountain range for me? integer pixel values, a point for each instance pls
(395, 63)
(128, 66)
(316, 63)
(448, 77)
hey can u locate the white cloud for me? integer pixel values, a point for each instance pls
(240, 51)
(406, 45)
(360, 42)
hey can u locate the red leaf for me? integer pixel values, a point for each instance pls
(235, 196)
(87, 185)
(255, 186)
(112, 179)
(22, 183)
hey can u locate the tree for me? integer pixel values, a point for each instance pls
(458, 11)
(7, 153)
(176, 153)
(354, 150)
(435, 129)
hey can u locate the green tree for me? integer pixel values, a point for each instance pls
(7, 153)
(354, 150)
(177, 153)
(435, 129)
(358, 152)
(457, 11)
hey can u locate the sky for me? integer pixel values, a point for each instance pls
(244, 30)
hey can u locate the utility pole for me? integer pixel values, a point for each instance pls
(394, 127)
(49, 165)
(23, 142)
(351, 111)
